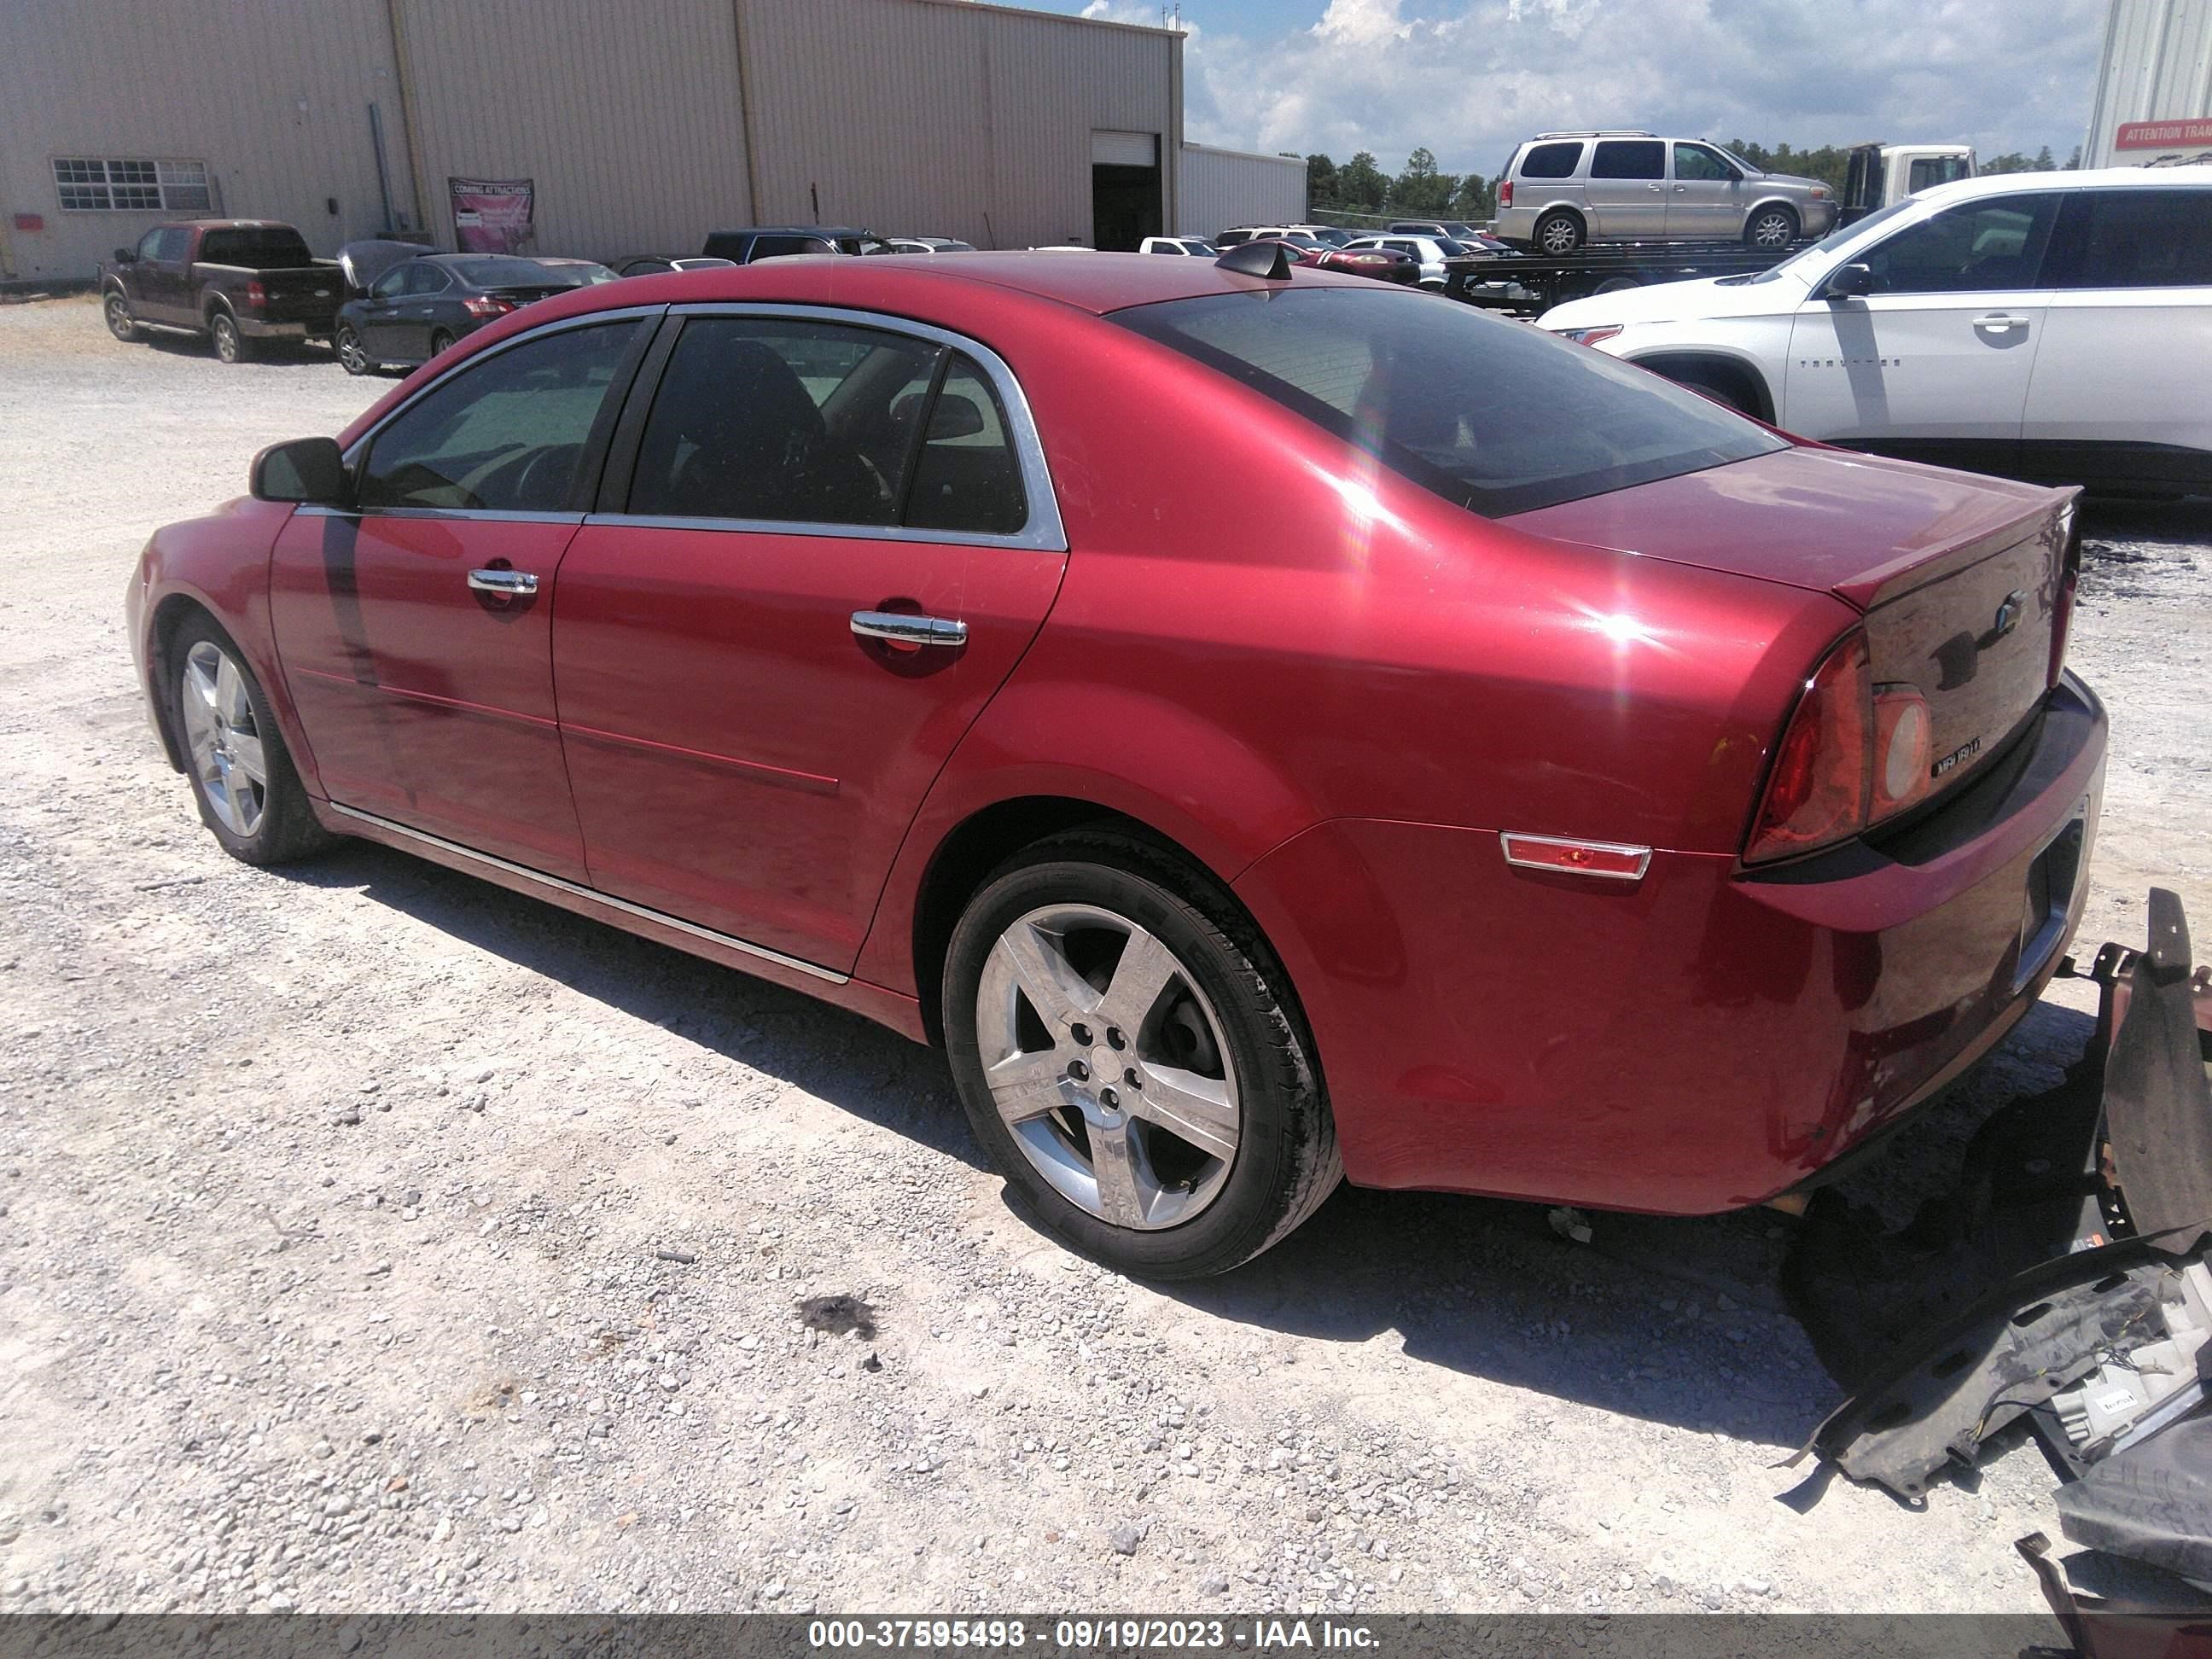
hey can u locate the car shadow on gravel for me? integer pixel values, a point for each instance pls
(270, 354)
(834, 1055)
(1675, 1319)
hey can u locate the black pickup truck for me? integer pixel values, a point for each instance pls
(235, 281)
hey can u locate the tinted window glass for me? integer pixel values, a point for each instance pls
(776, 247)
(1630, 158)
(725, 245)
(2136, 239)
(776, 418)
(967, 476)
(393, 281)
(263, 250)
(1694, 163)
(1493, 414)
(1928, 171)
(1551, 162)
(149, 245)
(1974, 247)
(506, 433)
(423, 277)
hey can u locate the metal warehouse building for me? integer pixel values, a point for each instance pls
(2155, 86)
(640, 127)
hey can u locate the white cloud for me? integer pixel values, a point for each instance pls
(1469, 78)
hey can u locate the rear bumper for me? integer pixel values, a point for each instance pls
(280, 328)
(1701, 1040)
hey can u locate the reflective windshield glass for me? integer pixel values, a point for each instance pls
(1493, 415)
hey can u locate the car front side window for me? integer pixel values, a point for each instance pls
(506, 433)
(390, 285)
(1695, 164)
(1975, 247)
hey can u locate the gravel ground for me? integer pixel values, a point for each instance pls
(373, 1239)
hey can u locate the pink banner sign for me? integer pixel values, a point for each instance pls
(492, 216)
(2161, 135)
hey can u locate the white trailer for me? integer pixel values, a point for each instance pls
(2153, 99)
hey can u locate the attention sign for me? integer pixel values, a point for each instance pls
(2161, 135)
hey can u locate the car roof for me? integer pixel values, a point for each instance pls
(795, 230)
(226, 224)
(1084, 279)
(2006, 184)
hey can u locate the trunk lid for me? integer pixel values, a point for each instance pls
(1960, 577)
(300, 294)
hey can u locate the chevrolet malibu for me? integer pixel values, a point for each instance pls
(1264, 726)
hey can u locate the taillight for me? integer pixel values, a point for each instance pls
(1853, 754)
(1817, 791)
(1505, 192)
(487, 305)
(2062, 608)
(256, 295)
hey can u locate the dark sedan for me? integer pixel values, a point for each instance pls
(414, 309)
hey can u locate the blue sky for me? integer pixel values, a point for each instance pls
(1469, 78)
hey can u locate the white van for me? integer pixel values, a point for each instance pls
(2048, 325)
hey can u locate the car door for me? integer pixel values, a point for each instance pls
(380, 313)
(428, 293)
(1935, 362)
(1703, 195)
(836, 538)
(2124, 370)
(1628, 191)
(165, 276)
(415, 625)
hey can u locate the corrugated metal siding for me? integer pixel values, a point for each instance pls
(627, 117)
(2157, 67)
(272, 94)
(1223, 188)
(928, 118)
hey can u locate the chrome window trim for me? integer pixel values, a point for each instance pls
(499, 514)
(1044, 531)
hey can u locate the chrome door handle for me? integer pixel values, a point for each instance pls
(909, 630)
(1998, 322)
(508, 582)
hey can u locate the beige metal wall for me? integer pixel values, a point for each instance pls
(272, 94)
(627, 117)
(2157, 67)
(1223, 188)
(943, 117)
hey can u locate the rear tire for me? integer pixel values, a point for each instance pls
(115, 310)
(231, 345)
(1200, 1031)
(1774, 227)
(224, 727)
(1557, 233)
(440, 342)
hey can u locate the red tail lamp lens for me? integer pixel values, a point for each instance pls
(2061, 610)
(1823, 769)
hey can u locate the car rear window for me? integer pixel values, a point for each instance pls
(513, 273)
(1551, 162)
(261, 250)
(1493, 415)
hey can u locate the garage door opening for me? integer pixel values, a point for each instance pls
(1125, 189)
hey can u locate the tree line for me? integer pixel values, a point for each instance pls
(1423, 191)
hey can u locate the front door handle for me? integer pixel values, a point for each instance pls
(510, 583)
(902, 629)
(1998, 323)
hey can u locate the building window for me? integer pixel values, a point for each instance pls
(140, 186)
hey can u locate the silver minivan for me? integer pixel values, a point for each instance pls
(1563, 190)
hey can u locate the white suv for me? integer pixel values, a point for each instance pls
(2050, 326)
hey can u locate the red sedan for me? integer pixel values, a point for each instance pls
(1263, 727)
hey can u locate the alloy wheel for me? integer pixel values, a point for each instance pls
(1559, 236)
(119, 318)
(352, 357)
(1770, 230)
(227, 345)
(224, 740)
(1109, 1066)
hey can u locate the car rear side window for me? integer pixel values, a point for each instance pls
(1551, 162)
(1495, 416)
(967, 476)
(506, 433)
(2134, 238)
(1630, 158)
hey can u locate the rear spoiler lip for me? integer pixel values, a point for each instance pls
(1909, 572)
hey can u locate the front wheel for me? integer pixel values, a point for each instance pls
(231, 345)
(353, 356)
(1126, 1049)
(1770, 226)
(243, 781)
(120, 323)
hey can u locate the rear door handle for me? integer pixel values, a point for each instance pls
(508, 582)
(1996, 322)
(903, 629)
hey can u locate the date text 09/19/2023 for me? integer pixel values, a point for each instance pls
(1084, 1635)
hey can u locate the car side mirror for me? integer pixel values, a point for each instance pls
(1850, 281)
(126, 256)
(309, 470)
